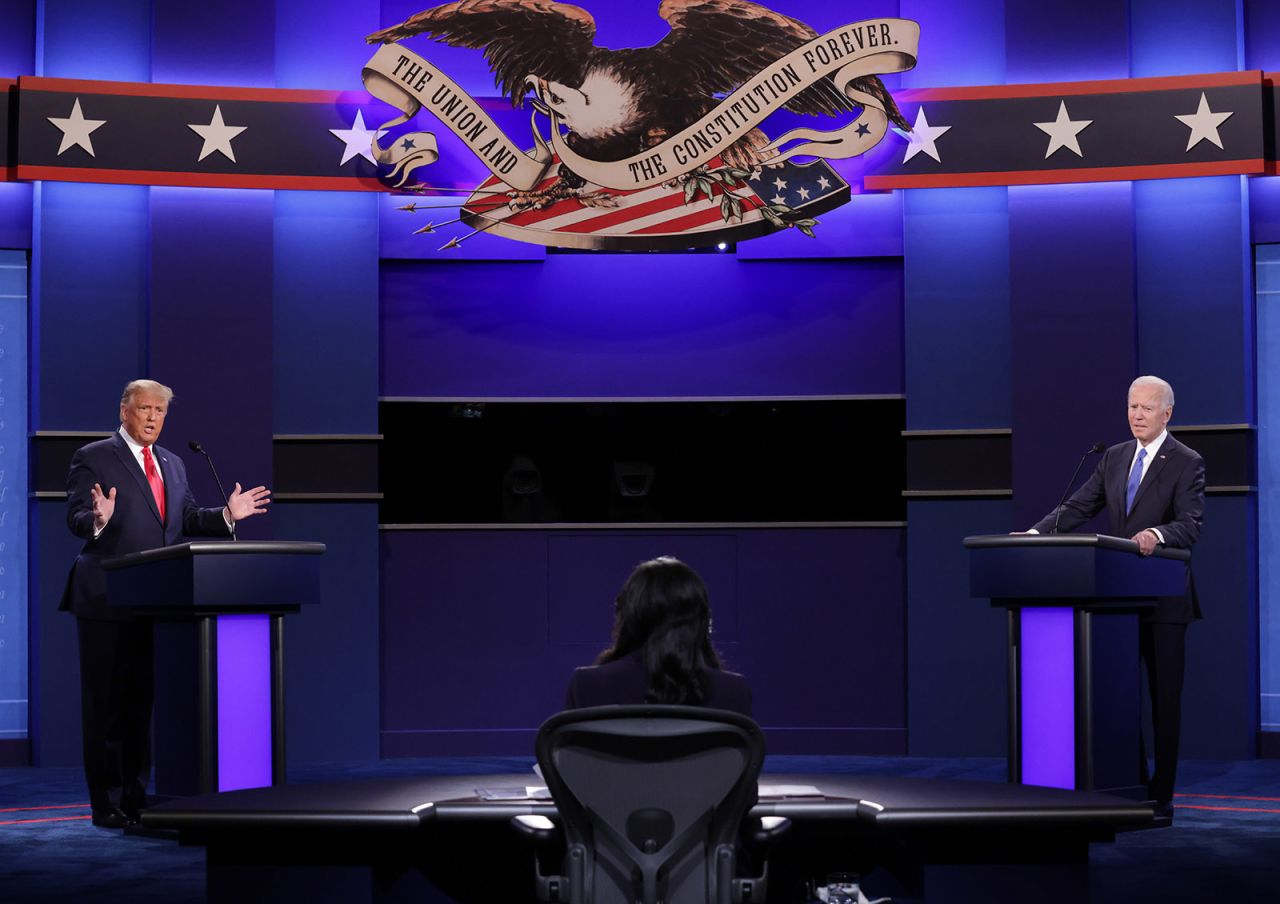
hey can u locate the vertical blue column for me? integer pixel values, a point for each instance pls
(325, 347)
(1195, 309)
(13, 507)
(89, 283)
(957, 378)
(1268, 301)
(956, 328)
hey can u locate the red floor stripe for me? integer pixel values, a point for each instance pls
(1228, 809)
(1229, 797)
(15, 822)
(54, 807)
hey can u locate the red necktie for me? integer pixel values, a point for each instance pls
(153, 478)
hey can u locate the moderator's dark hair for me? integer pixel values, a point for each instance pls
(662, 611)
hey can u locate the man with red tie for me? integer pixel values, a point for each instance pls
(126, 494)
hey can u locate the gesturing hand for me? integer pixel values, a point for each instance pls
(104, 506)
(242, 504)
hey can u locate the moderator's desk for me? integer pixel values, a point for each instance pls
(410, 839)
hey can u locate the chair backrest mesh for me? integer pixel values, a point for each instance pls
(679, 778)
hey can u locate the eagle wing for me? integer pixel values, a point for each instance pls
(518, 37)
(718, 44)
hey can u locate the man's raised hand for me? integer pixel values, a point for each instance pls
(242, 504)
(104, 506)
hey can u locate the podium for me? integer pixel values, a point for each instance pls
(217, 608)
(1074, 602)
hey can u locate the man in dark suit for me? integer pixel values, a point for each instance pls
(146, 504)
(1153, 490)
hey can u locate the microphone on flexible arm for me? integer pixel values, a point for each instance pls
(1093, 450)
(199, 449)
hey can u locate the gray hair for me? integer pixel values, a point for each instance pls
(1166, 391)
(150, 387)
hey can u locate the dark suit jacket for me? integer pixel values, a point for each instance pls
(1170, 499)
(627, 681)
(134, 526)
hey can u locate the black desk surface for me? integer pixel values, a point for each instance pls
(409, 804)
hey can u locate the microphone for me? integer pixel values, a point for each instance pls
(199, 450)
(1093, 450)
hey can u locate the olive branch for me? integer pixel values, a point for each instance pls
(704, 180)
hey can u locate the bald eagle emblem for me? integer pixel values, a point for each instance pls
(651, 147)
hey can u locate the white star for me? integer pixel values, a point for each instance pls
(217, 135)
(922, 137)
(1062, 131)
(779, 184)
(756, 174)
(778, 199)
(803, 193)
(76, 129)
(822, 181)
(1203, 124)
(357, 140)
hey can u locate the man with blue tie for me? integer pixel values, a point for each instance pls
(1153, 489)
(126, 494)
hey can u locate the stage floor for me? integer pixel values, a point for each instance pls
(1224, 844)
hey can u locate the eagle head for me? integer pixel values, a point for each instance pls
(603, 106)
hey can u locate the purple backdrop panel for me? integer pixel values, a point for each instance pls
(235, 47)
(212, 277)
(822, 636)
(1038, 51)
(587, 570)
(244, 701)
(645, 326)
(1047, 679)
(474, 660)
(1072, 330)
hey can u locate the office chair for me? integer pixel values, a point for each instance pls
(651, 799)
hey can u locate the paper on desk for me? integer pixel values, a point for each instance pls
(525, 792)
(790, 791)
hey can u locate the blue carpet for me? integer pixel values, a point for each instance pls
(1223, 847)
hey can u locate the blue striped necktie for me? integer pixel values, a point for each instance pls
(1135, 478)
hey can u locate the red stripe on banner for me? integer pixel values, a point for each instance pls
(692, 221)
(53, 807)
(569, 205)
(19, 822)
(7, 83)
(198, 180)
(672, 201)
(1229, 797)
(1069, 89)
(197, 92)
(1227, 809)
(1049, 177)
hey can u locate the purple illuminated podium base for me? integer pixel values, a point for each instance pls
(1074, 699)
(217, 725)
(218, 610)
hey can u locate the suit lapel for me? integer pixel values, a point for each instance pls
(131, 465)
(1153, 471)
(166, 472)
(1117, 483)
